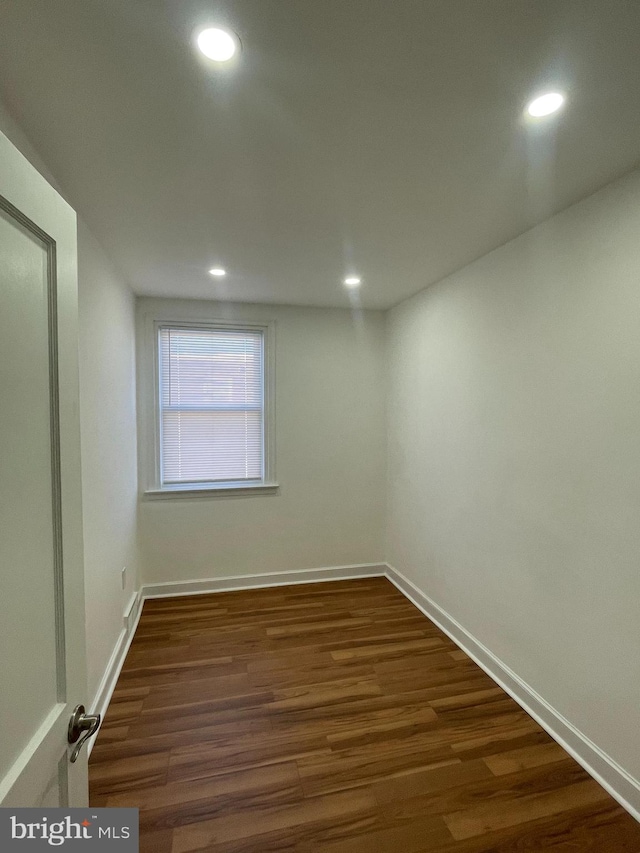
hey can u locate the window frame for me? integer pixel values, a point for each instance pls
(268, 484)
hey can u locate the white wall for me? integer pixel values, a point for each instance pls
(108, 434)
(330, 456)
(514, 458)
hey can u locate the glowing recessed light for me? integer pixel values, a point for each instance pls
(352, 281)
(216, 44)
(218, 272)
(545, 104)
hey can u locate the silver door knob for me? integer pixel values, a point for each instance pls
(81, 727)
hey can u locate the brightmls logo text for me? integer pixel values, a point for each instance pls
(53, 833)
(72, 829)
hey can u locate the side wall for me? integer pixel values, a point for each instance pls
(330, 455)
(109, 458)
(514, 458)
(108, 435)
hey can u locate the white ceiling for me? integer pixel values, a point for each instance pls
(379, 136)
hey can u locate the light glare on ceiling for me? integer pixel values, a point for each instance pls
(544, 105)
(352, 281)
(218, 272)
(216, 44)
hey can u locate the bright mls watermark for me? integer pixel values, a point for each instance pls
(104, 830)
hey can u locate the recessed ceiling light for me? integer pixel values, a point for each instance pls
(216, 44)
(352, 281)
(218, 272)
(544, 105)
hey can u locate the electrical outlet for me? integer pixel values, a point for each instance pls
(124, 577)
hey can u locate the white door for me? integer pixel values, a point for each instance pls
(42, 643)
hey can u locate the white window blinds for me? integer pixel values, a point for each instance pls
(211, 405)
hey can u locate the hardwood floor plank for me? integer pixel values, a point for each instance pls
(284, 717)
(327, 693)
(324, 772)
(486, 818)
(496, 746)
(184, 803)
(170, 673)
(451, 775)
(120, 713)
(193, 731)
(324, 626)
(174, 695)
(241, 752)
(311, 674)
(592, 829)
(113, 734)
(333, 808)
(354, 719)
(471, 700)
(501, 794)
(332, 718)
(421, 835)
(125, 774)
(160, 841)
(404, 725)
(126, 692)
(239, 783)
(381, 651)
(527, 756)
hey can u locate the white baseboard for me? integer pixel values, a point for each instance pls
(107, 685)
(132, 611)
(201, 587)
(614, 778)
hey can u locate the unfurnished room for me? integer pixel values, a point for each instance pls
(320, 426)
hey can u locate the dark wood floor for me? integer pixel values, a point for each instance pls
(334, 718)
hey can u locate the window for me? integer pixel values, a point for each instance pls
(212, 429)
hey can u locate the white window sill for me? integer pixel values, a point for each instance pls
(228, 490)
